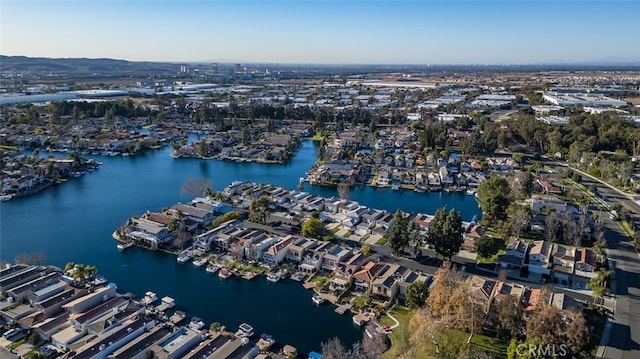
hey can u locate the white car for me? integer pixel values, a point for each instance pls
(11, 332)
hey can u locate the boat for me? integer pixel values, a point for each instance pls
(317, 300)
(5, 197)
(124, 245)
(211, 269)
(419, 189)
(149, 298)
(244, 331)
(196, 323)
(395, 187)
(224, 273)
(274, 277)
(471, 192)
(198, 263)
(184, 258)
(166, 303)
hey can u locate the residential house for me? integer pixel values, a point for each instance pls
(387, 284)
(539, 257)
(563, 259)
(365, 276)
(514, 258)
(586, 263)
(277, 252)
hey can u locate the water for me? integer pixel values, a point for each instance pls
(74, 222)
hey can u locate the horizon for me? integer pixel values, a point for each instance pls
(376, 33)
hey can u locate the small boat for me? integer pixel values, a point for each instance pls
(317, 300)
(244, 331)
(395, 187)
(471, 192)
(124, 245)
(211, 269)
(149, 298)
(198, 263)
(184, 258)
(274, 277)
(224, 273)
(5, 197)
(196, 323)
(166, 303)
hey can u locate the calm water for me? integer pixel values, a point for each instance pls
(74, 222)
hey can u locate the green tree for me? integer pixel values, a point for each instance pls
(215, 326)
(314, 228)
(259, 209)
(599, 284)
(399, 234)
(485, 246)
(493, 198)
(445, 232)
(527, 183)
(416, 295)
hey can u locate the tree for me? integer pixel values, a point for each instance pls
(343, 190)
(599, 284)
(374, 346)
(511, 321)
(333, 349)
(259, 209)
(314, 228)
(557, 327)
(399, 234)
(485, 246)
(493, 198)
(195, 186)
(445, 232)
(215, 326)
(527, 183)
(416, 294)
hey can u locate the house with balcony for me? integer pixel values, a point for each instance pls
(277, 251)
(313, 258)
(363, 278)
(516, 252)
(298, 249)
(563, 259)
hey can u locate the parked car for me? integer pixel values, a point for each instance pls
(10, 333)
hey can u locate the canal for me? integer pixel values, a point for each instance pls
(74, 222)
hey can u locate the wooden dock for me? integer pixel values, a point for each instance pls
(343, 309)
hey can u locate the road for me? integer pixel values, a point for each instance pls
(624, 337)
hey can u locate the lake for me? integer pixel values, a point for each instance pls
(74, 222)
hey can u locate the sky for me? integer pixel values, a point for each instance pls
(324, 32)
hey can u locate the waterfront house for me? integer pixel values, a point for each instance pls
(147, 231)
(38, 288)
(201, 216)
(257, 241)
(137, 348)
(176, 344)
(387, 284)
(364, 277)
(333, 256)
(313, 258)
(298, 249)
(54, 304)
(539, 256)
(277, 252)
(115, 338)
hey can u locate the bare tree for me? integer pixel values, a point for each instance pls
(334, 349)
(343, 190)
(374, 346)
(196, 186)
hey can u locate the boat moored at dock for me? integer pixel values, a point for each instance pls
(317, 299)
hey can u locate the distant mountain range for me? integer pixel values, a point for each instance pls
(120, 67)
(81, 65)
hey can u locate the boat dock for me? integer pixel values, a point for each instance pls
(309, 285)
(343, 309)
(177, 317)
(249, 275)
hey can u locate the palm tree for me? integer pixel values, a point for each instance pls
(599, 284)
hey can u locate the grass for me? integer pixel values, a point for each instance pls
(360, 302)
(348, 234)
(318, 136)
(8, 148)
(490, 345)
(365, 237)
(626, 227)
(382, 241)
(492, 259)
(334, 230)
(18, 343)
(401, 334)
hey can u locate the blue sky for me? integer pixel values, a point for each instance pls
(338, 32)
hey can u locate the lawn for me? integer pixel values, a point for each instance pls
(382, 241)
(401, 333)
(492, 259)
